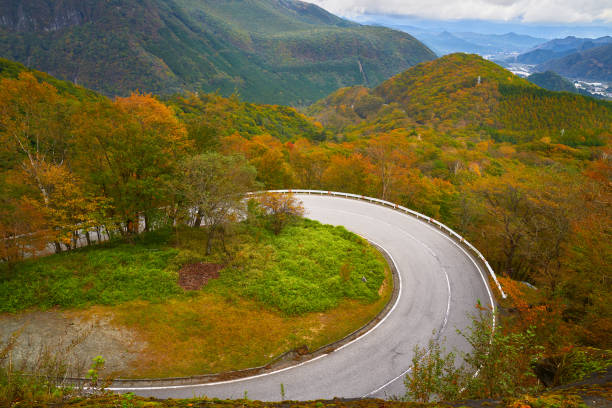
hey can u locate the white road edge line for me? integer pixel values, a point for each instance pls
(486, 284)
(171, 387)
(358, 338)
(431, 251)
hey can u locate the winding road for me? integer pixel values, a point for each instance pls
(440, 284)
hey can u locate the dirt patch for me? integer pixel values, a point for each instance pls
(383, 287)
(194, 276)
(71, 338)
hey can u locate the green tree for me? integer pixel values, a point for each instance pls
(499, 364)
(213, 186)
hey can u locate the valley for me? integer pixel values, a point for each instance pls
(284, 52)
(258, 199)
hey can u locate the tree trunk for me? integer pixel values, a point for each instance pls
(222, 231)
(87, 238)
(58, 247)
(122, 231)
(75, 239)
(129, 226)
(198, 220)
(209, 240)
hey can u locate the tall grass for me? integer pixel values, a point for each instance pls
(109, 274)
(41, 379)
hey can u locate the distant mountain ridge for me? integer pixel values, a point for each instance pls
(559, 48)
(594, 64)
(496, 45)
(272, 51)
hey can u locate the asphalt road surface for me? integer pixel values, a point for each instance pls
(440, 285)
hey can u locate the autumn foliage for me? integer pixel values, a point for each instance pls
(280, 209)
(524, 174)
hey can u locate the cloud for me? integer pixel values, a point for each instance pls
(528, 11)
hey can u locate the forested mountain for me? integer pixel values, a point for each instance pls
(594, 64)
(554, 82)
(484, 98)
(559, 48)
(273, 51)
(522, 172)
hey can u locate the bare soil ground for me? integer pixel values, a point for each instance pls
(195, 276)
(71, 338)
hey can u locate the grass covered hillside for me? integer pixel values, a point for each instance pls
(302, 288)
(293, 272)
(461, 92)
(267, 50)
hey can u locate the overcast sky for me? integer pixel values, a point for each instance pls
(528, 11)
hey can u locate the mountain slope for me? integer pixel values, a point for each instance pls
(465, 93)
(594, 64)
(274, 51)
(559, 48)
(11, 69)
(554, 82)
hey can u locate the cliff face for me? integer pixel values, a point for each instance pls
(43, 16)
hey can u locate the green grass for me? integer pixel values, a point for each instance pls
(295, 272)
(301, 288)
(305, 273)
(107, 275)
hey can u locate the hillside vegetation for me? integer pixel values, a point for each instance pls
(11, 69)
(268, 51)
(594, 64)
(209, 117)
(522, 172)
(554, 82)
(461, 92)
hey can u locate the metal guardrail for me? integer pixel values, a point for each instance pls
(405, 210)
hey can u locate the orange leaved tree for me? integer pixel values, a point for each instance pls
(280, 209)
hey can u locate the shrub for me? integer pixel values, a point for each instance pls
(498, 365)
(280, 210)
(433, 374)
